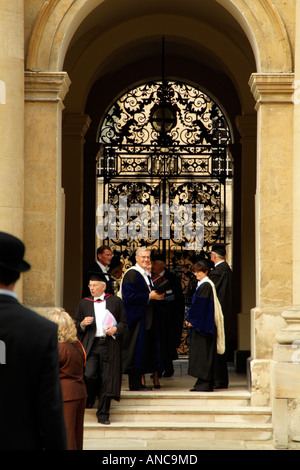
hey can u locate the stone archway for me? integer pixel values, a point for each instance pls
(272, 84)
(58, 20)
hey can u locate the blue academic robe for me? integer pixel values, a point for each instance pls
(202, 352)
(135, 296)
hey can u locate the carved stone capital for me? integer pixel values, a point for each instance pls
(46, 86)
(275, 88)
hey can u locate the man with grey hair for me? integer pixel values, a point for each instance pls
(139, 354)
(222, 277)
(102, 341)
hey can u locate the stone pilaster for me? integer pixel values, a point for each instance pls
(285, 382)
(12, 119)
(274, 227)
(75, 126)
(247, 128)
(44, 198)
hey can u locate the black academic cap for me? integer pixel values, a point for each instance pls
(159, 257)
(96, 276)
(207, 263)
(219, 248)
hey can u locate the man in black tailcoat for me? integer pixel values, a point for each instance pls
(222, 277)
(31, 407)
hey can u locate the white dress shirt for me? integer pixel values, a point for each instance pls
(100, 310)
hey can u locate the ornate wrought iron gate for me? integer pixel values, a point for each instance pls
(165, 144)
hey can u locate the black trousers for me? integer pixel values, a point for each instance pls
(96, 376)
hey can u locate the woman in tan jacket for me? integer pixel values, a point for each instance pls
(72, 359)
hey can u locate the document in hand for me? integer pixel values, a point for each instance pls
(108, 320)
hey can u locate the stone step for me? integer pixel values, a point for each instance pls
(187, 421)
(228, 398)
(192, 431)
(191, 414)
(175, 418)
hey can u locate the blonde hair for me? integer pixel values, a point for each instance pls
(66, 326)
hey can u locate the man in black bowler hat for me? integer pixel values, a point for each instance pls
(31, 408)
(222, 277)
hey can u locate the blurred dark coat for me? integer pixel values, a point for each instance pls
(170, 314)
(31, 407)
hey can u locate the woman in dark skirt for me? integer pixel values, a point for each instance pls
(205, 320)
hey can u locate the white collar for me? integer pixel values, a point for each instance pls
(205, 279)
(217, 264)
(104, 268)
(8, 292)
(101, 297)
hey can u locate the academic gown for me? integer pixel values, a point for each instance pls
(170, 316)
(222, 277)
(140, 346)
(115, 306)
(202, 352)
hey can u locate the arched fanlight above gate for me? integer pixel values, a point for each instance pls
(161, 121)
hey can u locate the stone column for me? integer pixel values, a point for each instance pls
(285, 382)
(12, 119)
(44, 199)
(285, 367)
(75, 125)
(274, 221)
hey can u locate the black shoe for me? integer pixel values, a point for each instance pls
(89, 404)
(157, 386)
(198, 390)
(103, 421)
(141, 388)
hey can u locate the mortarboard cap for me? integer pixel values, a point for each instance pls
(219, 248)
(159, 257)
(207, 263)
(97, 276)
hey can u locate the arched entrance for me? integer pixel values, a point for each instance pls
(105, 47)
(186, 61)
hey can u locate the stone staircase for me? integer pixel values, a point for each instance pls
(174, 418)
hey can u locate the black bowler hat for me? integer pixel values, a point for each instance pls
(11, 253)
(97, 276)
(219, 248)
